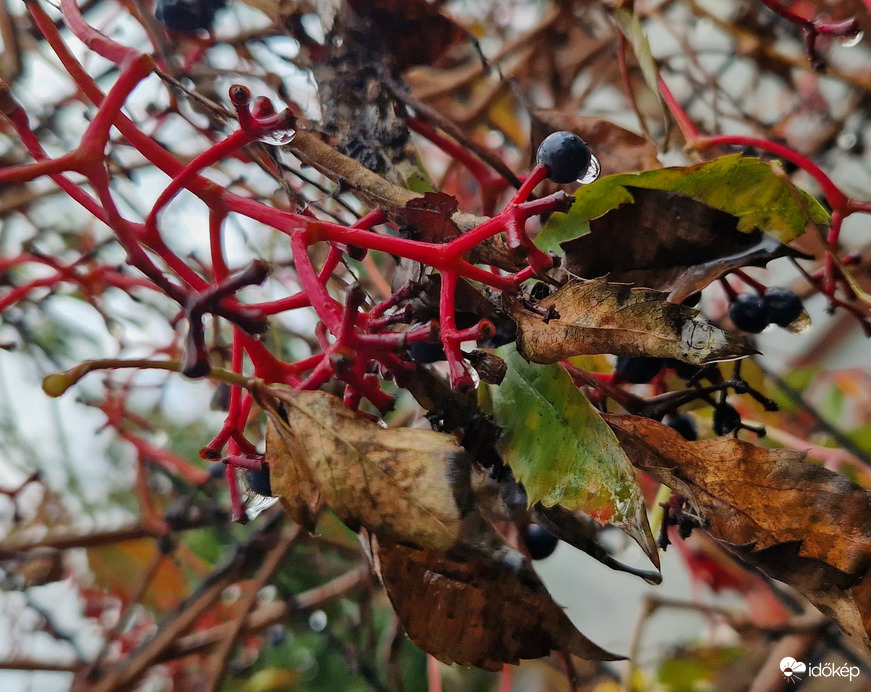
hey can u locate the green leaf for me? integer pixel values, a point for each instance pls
(630, 27)
(562, 451)
(755, 191)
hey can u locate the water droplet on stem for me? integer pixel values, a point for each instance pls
(278, 137)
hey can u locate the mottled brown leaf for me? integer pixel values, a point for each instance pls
(670, 242)
(402, 483)
(416, 32)
(476, 613)
(618, 150)
(602, 317)
(802, 523)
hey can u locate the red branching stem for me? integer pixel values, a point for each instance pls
(250, 129)
(243, 461)
(829, 264)
(731, 293)
(811, 29)
(757, 286)
(93, 39)
(143, 143)
(845, 27)
(690, 132)
(842, 206)
(356, 346)
(216, 244)
(696, 140)
(326, 307)
(238, 409)
(165, 459)
(12, 174)
(460, 376)
(237, 508)
(833, 194)
(19, 292)
(210, 156)
(489, 182)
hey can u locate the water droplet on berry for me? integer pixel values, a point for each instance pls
(801, 324)
(278, 137)
(593, 171)
(850, 41)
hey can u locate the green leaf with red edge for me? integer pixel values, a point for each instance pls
(562, 451)
(758, 193)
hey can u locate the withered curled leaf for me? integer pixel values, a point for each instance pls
(803, 524)
(402, 483)
(598, 316)
(476, 613)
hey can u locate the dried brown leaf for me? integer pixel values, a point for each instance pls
(602, 317)
(802, 523)
(415, 32)
(402, 483)
(476, 613)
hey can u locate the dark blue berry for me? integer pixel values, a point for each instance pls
(426, 352)
(784, 306)
(258, 481)
(566, 155)
(683, 424)
(748, 312)
(726, 419)
(539, 542)
(217, 470)
(686, 371)
(186, 16)
(637, 370)
(165, 545)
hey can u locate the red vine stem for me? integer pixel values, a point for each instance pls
(842, 205)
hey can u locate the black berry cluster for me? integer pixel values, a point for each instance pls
(751, 312)
(566, 155)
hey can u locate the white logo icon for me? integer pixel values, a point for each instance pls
(791, 668)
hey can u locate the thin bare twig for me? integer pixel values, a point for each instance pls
(270, 613)
(218, 663)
